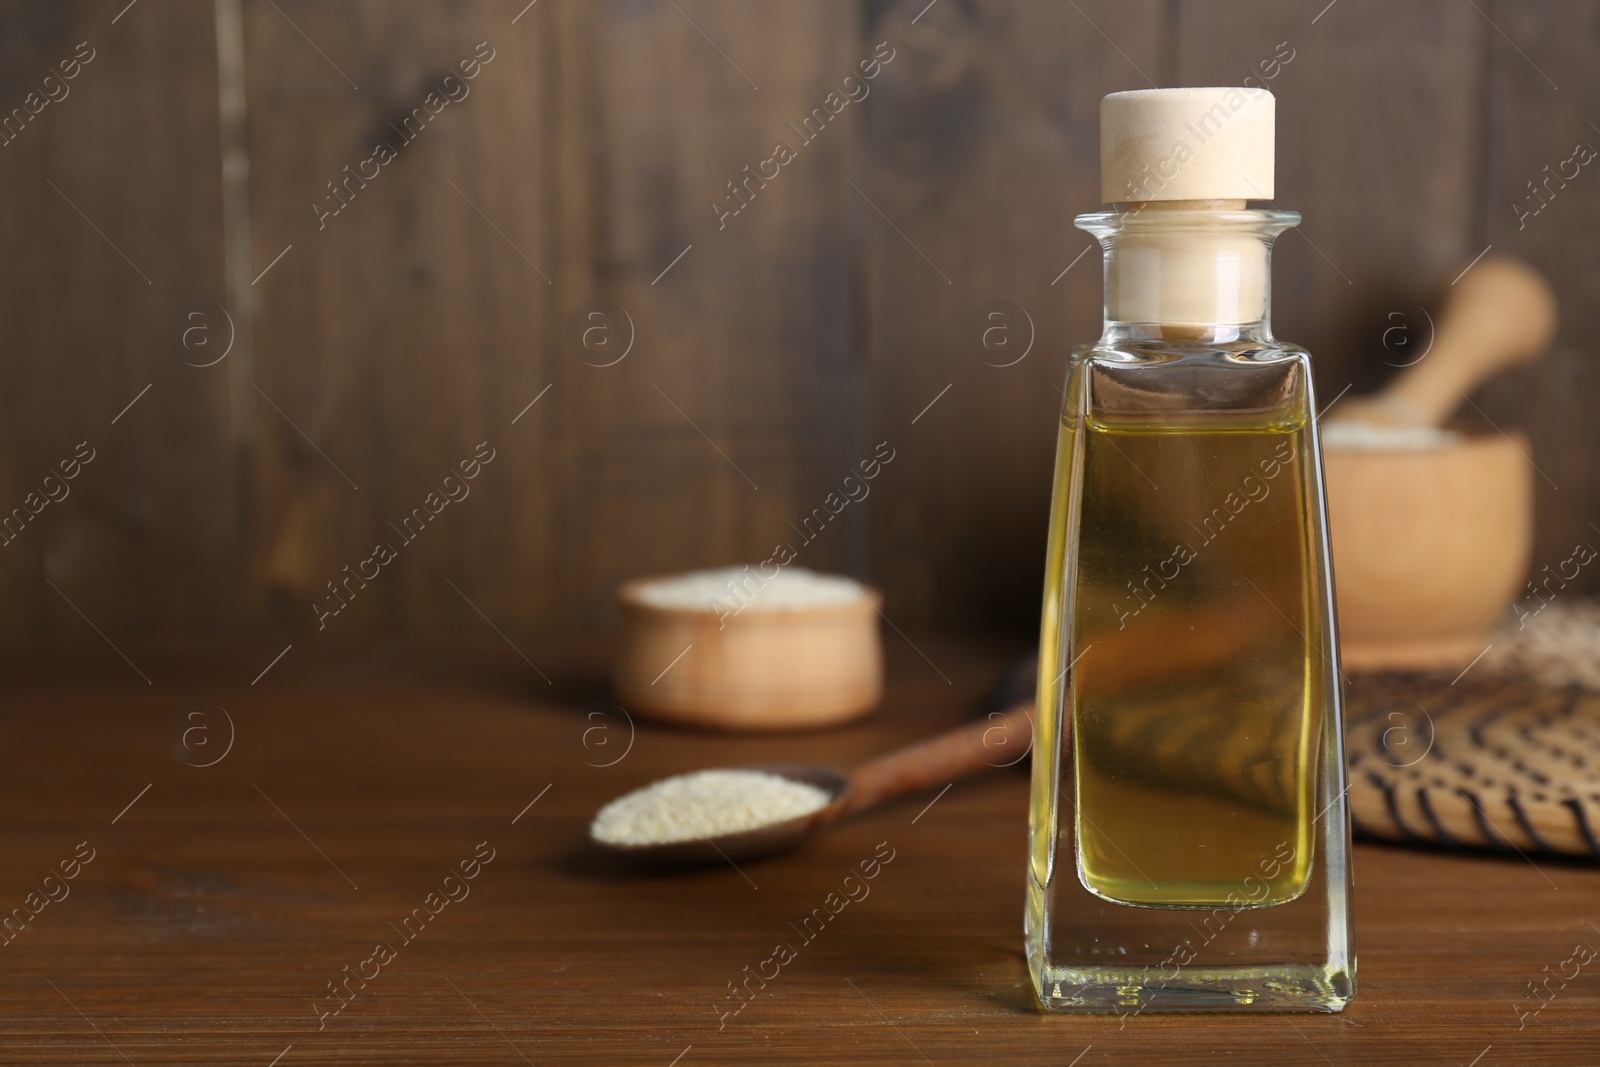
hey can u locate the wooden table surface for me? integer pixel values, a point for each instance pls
(221, 904)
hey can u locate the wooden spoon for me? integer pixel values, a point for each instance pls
(1502, 313)
(998, 740)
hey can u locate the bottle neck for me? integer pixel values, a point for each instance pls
(1188, 270)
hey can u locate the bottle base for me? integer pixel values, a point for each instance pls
(1130, 992)
(1316, 974)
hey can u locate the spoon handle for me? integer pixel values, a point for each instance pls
(997, 740)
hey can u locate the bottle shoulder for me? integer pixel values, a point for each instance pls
(1242, 354)
(1166, 383)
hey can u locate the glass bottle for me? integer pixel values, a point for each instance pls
(1188, 833)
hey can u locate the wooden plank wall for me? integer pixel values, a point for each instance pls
(111, 237)
(1542, 102)
(560, 208)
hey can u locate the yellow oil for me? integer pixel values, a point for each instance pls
(1193, 702)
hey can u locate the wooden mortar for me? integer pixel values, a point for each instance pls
(1430, 545)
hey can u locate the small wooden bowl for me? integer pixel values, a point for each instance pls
(1429, 548)
(760, 669)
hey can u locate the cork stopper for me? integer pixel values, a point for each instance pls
(1187, 144)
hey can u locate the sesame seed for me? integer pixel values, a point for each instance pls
(712, 803)
(747, 588)
(1554, 645)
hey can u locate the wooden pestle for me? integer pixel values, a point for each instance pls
(1501, 313)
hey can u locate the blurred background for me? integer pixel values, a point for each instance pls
(276, 339)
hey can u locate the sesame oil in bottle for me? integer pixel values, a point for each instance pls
(1188, 834)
